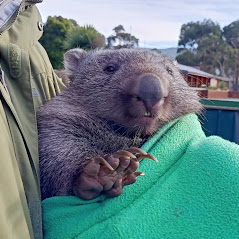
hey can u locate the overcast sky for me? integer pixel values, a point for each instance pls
(156, 23)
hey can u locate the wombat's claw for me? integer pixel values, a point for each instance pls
(125, 153)
(135, 150)
(104, 162)
(149, 156)
(141, 154)
(139, 174)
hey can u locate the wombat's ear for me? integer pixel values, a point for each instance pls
(71, 61)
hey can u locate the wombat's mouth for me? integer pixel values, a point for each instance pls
(146, 120)
(147, 123)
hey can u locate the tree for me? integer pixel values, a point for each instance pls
(192, 33)
(86, 37)
(214, 50)
(121, 39)
(55, 31)
(119, 29)
(188, 58)
(214, 53)
(231, 35)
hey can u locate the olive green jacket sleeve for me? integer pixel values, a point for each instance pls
(28, 81)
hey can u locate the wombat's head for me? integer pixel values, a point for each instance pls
(140, 90)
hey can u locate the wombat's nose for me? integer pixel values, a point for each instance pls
(150, 90)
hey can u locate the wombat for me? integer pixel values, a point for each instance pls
(116, 100)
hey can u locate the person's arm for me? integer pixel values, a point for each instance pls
(29, 81)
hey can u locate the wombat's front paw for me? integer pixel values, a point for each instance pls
(109, 174)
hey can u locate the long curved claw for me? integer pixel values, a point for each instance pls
(139, 174)
(137, 150)
(121, 153)
(104, 162)
(149, 156)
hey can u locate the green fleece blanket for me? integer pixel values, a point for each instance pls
(193, 192)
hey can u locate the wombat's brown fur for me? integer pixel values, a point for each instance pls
(116, 100)
(61, 74)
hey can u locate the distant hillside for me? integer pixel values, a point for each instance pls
(171, 53)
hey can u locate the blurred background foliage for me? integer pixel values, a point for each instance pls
(61, 34)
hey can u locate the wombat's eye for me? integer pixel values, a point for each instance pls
(169, 70)
(110, 69)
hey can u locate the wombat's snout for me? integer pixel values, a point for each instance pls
(150, 90)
